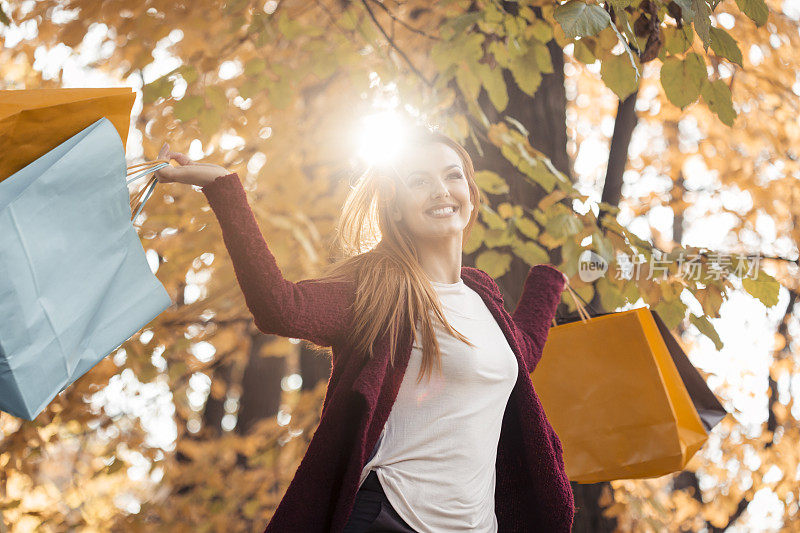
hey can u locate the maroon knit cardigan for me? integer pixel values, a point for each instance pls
(532, 491)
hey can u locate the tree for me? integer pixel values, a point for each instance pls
(267, 89)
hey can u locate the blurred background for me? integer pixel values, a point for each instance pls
(640, 130)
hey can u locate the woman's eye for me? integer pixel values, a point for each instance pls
(456, 176)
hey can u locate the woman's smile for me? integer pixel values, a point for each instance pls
(443, 212)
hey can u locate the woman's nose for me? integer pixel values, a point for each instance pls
(440, 189)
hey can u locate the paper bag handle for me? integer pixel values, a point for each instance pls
(579, 306)
(141, 170)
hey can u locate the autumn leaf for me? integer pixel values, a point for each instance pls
(619, 75)
(717, 96)
(682, 79)
(579, 19)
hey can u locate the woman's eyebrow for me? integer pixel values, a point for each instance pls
(445, 169)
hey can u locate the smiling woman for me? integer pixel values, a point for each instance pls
(470, 448)
(394, 245)
(434, 204)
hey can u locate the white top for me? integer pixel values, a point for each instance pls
(436, 455)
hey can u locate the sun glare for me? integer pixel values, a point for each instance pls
(380, 137)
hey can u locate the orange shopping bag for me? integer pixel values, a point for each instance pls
(34, 121)
(617, 400)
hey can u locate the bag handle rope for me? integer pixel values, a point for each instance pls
(584, 315)
(140, 170)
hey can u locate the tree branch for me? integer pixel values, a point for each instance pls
(394, 45)
(403, 23)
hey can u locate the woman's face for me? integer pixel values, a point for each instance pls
(434, 202)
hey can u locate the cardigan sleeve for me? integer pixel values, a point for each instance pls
(541, 295)
(309, 309)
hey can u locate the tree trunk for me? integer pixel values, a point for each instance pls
(315, 366)
(544, 117)
(261, 385)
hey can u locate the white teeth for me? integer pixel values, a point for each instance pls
(443, 211)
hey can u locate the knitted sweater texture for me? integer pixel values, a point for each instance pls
(532, 492)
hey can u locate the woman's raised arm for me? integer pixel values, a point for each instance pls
(537, 307)
(309, 309)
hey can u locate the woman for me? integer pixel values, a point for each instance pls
(430, 421)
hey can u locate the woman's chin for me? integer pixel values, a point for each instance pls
(444, 233)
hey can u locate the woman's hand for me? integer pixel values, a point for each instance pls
(189, 172)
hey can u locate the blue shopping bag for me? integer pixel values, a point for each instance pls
(74, 280)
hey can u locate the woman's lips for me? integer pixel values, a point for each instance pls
(443, 215)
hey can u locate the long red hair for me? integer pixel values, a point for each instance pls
(392, 290)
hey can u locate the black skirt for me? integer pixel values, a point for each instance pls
(372, 512)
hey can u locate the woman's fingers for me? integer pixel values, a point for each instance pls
(166, 174)
(188, 172)
(184, 174)
(182, 159)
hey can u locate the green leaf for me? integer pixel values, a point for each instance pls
(563, 225)
(678, 40)
(610, 295)
(671, 311)
(288, 27)
(349, 20)
(526, 73)
(581, 20)
(215, 97)
(538, 172)
(475, 238)
(468, 82)
(469, 47)
(527, 227)
(494, 263)
(279, 94)
(492, 219)
(443, 55)
(541, 54)
(631, 292)
(755, 9)
(500, 52)
(187, 108)
(603, 246)
(495, 86)
(530, 252)
(255, 67)
(764, 287)
(490, 182)
(725, 46)
(497, 237)
(706, 328)
(160, 88)
(701, 21)
(621, 3)
(687, 11)
(683, 79)
(717, 96)
(619, 75)
(188, 73)
(541, 31)
(492, 14)
(583, 53)
(209, 120)
(461, 23)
